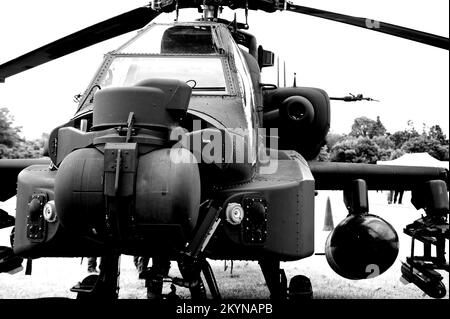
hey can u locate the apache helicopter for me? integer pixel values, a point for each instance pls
(163, 158)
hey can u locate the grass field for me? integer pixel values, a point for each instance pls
(53, 277)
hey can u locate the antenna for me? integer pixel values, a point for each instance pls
(177, 11)
(246, 13)
(295, 80)
(278, 71)
(235, 23)
(284, 73)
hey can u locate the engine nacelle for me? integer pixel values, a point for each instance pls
(302, 116)
(361, 247)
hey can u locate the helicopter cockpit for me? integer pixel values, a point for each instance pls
(190, 53)
(202, 54)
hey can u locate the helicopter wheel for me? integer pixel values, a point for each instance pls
(275, 278)
(89, 281)
(154, 277)
(300, 288)
(198, 292)
(190, 270)
(103, 286)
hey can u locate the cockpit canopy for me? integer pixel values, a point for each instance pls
(173, 39)
(188, 39)
(206, 75)
(186, 52)
(202, 54)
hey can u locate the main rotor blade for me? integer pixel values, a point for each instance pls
(118, 25)
(395, 30)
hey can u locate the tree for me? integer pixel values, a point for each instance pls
(425, 144)
(9, 134)
(365, 127)
(384, 142)
(378, 128)
(11, 144)
(396, 154)
(24, 149)
(355, 150)
(436, 133)
(369, 142)
(385, 145)
(323, 156)
(333, 138)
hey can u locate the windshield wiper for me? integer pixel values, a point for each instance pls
(209, 88)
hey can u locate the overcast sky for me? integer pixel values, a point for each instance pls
(410, 79)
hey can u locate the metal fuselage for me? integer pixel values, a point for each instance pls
(164, 158)
(276, 194)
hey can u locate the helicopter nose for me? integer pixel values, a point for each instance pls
(362, 247)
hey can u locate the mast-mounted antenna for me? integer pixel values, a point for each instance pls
(246, 14)
(278, 71)
(177, 10)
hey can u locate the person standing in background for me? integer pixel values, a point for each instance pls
(92, 265)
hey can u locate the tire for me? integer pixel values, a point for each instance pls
(300, 288)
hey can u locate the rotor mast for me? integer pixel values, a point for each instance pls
(211, 12)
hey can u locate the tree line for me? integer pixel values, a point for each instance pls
(14, 146)
(369, 142)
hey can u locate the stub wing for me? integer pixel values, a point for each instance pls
(337, 176)
(10, 169)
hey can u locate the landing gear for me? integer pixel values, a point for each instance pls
(275, 278)
(191, 270)
(103, 286)
(299, 286)
(192, 261)
(9, 262)
(191, 264)
(154, 277)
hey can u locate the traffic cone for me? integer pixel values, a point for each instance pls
(328, 224)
